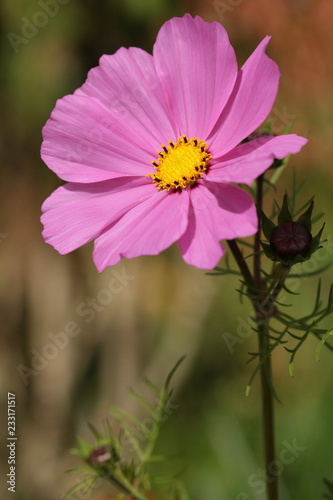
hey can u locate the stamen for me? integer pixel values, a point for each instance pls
(180, 164)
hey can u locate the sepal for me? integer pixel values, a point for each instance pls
(266, 224)
(284, 215)
(305, 218)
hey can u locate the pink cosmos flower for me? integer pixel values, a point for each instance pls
(150, 145)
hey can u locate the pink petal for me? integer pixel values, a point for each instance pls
(127, 82)
(199, 245)
(197, 68)
(147, 229)
(250, 103)
(217, 212)
(76, 213)
(86, 142)
(249, 160)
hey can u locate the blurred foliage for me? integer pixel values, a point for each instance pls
(127, 459)
(169, 308)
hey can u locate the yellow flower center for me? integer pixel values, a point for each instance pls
(180, 164)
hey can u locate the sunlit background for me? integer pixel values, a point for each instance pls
(164, 309)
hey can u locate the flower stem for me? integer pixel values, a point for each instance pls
(123, 484)
(260, 296)
(266, 369)
(267, 410)
(266, 366)
(241, 264)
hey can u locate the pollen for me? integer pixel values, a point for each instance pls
(180, 164)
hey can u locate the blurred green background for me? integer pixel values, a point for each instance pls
(167, 309)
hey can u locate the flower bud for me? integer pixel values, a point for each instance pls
(290, 239)
(99, 456)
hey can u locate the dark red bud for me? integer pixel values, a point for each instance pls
(100, 455)
(290, 238)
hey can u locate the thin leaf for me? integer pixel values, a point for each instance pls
(96, 433)
(305, 218)
(317, 301)
(122, 415)
(224, 272)
(243, 242)
(87, 483)
(171, 374)
(284, 286)
(147, 406)
(328, 334)
(151, 386)
(304, 207)
(310, 273)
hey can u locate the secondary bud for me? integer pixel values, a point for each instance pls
(100, 455)
(290, 239)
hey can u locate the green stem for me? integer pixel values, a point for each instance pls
(257, 255)
(266, 369)
(260, 296)
(267, 410)
(123, 484)
(241, 264)
(266, 366)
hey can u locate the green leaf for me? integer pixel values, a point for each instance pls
(296, 189)
(278, 172)
(83, 448)
(284, 286)
(223, 272)
(322, 343)
(172, 372)
(310, 273)
(243, 242)
(122, 416)
(317, 301)
(96, 433)
(291, 367)
(151, 386)
(87, 483)
(317, 217)
(147, 406)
